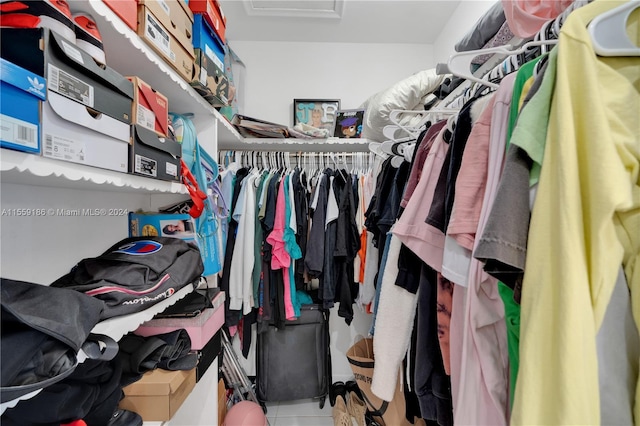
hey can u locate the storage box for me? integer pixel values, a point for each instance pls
(175, 16)
(70, 71)
(127, 10)
(163, 225)
(22, 95)
(177, 54)
(205, 39)
(200, 328)
(159, 394)
(150, 107)
(207, 354)
(210, 81)
(212, 13)
(71, 133)
(154, 156)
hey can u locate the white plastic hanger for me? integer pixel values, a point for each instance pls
(460, 63)
(608, 32)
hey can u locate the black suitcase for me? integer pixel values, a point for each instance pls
(295, 362)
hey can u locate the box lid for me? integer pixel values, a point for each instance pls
(157, 382)
(22, 79)
(151, 139)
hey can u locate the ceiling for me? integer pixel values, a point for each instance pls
(348, 21)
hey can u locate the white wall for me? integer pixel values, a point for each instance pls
(278, 72)
(462, 20)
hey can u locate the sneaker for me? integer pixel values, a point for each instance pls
(52, 14)
(341, 416)
(88, 36)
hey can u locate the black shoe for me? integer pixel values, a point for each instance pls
(125, 418)
(338, 388)
(352, 386)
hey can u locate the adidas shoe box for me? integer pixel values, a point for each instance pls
(20, 103)
(166, 27)
(87, 116)
(210, 81)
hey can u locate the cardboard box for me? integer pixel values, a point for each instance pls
(210, 81)
(150, 107)
(155, 224)
(22, 95)
(159, 394)
(154, 156)
(207, 354)
(201, 328)
(212, 13)
(71, 133)
(127, 10)
(205, 39)
(175, 16)
(160, 39)
(70, 71)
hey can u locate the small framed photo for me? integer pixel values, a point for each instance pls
(348, 123)
(318, 113)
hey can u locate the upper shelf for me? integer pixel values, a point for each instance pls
(22, 168)
(294, 144)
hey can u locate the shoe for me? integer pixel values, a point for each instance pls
(88, 37)
(352, 386)
(338, 388)
(340, 415)
(125, 418)
(52, 14)
(356, 408)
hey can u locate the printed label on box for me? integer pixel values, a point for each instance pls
(72, 52)
(165, 7)
(63, 148)
(158, 36)
(146, 117)
(171, 169)
(212, 57)
(18, 132)
(70, 86)
(214, 18)
(146, 166)
(203, 76)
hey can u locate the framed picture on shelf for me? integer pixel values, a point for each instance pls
(348, 123)
(318, 113)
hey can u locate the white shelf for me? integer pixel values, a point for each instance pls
(30, 169)
(295, 144)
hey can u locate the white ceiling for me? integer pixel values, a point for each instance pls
(361, 21)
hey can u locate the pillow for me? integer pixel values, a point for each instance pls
(407, 94)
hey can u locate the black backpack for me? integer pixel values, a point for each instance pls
(135, 273)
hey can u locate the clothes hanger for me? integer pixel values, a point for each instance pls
(608, 32)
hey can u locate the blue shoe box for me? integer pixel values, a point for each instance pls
(22, 94)
(205, 39)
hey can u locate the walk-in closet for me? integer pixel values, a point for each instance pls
(316, 213)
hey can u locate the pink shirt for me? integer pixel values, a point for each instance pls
(526, 17)
(426, 241)
(280, 258)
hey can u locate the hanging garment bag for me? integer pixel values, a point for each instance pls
(295, 362)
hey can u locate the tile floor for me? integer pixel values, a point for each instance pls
(304, 412)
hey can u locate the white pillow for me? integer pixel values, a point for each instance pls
(407, 94)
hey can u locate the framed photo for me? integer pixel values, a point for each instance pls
(348, 123)
(319, 113)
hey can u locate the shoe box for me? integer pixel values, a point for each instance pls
(210, 80)
(87, 116)
(212, 13)
(167, 28)
(20, 106)
(127, 10)
(158, 395)
(150, 107)
(154, 156)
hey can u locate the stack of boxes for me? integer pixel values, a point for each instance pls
(77, 110)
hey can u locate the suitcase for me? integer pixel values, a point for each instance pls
(295, 362)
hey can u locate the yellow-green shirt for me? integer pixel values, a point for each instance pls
(585, 223)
